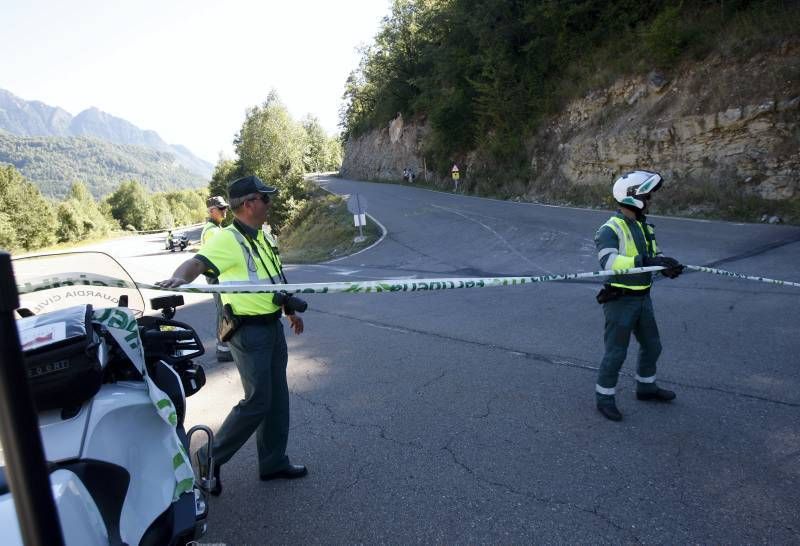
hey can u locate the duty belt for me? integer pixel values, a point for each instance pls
(259, 319)
(630, 292)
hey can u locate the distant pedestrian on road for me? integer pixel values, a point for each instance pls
(625, 241)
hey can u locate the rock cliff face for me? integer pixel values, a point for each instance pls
(383, 154)
(716, 122)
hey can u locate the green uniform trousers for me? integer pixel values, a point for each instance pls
(260, 354)
(626, 315)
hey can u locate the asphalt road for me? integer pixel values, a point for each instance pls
(467, 416)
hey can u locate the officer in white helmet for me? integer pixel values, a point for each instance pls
(626, 240)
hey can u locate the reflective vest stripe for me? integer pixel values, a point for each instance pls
(606, 252)
(252, 267)
(243, 264)
(621, 231)
(626, 247)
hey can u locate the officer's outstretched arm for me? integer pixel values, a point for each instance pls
(186, 272)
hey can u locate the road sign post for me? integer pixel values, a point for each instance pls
(357, 204)
(456, 175)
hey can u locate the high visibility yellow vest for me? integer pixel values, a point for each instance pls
(239, 262)
(208, 231)
(627, 253)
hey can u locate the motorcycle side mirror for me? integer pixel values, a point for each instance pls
(167, 305)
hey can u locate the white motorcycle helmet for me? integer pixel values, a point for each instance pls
(628, 188)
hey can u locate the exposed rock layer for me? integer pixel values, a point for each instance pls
(728, 123)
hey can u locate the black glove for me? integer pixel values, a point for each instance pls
(672, 267)
(672, 272)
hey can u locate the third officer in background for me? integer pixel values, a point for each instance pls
(217, 207)
(625, 241)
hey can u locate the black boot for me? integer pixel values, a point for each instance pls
(659, 395)
(609, 411)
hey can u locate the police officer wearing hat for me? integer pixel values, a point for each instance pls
(241, 253)
(216, 215)
(626, 241)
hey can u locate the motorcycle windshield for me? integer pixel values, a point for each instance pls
(50, 282)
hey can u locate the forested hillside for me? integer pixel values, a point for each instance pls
(550, 99)
(270, 144)
(54, 163)
(486, 72)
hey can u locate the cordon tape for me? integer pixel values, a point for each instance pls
(362, 287)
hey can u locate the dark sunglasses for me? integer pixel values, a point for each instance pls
(263, 197)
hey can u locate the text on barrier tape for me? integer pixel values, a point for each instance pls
(359, 287)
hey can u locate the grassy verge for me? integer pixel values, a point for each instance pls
(323, 230)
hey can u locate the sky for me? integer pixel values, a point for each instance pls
(187, 69)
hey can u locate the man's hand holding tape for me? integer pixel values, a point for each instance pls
(672, 267)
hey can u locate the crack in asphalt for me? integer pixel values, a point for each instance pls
(552, 360)
(488, 408)
(531, 496)
(498, 236)
(434, 259)
(332, 414)
(430, 382)
(350, 485)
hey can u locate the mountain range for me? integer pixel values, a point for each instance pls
(28, 126)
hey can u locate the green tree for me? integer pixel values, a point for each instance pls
(187, 206)
(8, 235)
(79, 216)
(225, 172)
(272, 146)
(26, 212)
(165, 218)
(132, 205)
(314, 158)
(333, 154)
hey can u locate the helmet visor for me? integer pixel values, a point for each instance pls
(648, 186)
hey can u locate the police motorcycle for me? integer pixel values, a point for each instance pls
(110, 387)
(180, 242)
